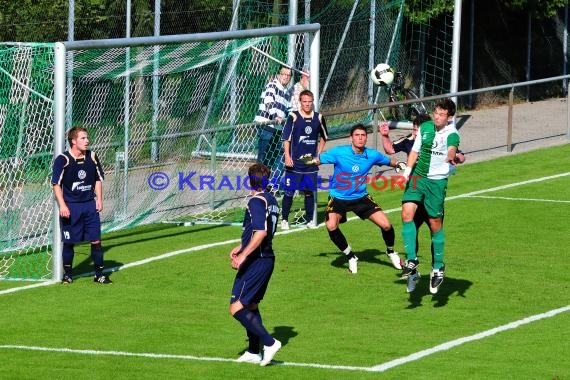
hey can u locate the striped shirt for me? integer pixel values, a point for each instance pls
(275, 101)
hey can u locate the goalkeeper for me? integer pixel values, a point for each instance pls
(305, 133)
(348, 193)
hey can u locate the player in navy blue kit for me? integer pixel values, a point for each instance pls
(254, 260)
(77, 181)
(305, 132)
(352, 163)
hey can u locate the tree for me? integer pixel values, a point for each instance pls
(31, 20)
(420, 12)
(540, 9)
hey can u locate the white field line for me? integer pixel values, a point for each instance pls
(520, 199)
(26, 287)
(235, 241)
(377, 368)
(541, 179)
(471, 338)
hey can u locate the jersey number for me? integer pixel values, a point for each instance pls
(274, 223)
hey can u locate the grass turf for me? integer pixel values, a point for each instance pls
(505, 261)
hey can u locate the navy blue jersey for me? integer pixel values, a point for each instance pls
(403, 144)
(261, 214)
(304, 134)
(77, 177)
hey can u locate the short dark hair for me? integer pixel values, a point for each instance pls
(73, 132)
(448, 105)
(285, 67)
(356, 127)
(305, 93)
(420, 119)
(258, 176)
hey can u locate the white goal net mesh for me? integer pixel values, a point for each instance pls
(172, 125)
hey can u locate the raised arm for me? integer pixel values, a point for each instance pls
(384, 129)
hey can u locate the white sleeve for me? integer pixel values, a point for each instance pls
(417, 143)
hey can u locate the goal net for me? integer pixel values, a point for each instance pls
(26, 150)
(171, 119)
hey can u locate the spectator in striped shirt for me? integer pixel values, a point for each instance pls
(275, 102)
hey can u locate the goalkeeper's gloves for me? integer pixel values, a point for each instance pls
(308, 159)
(400, 166)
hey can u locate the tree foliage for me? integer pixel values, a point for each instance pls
(420, 11)
(31, 18)
(539, 8)
(46, 20)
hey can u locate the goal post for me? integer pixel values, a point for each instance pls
(180, 105)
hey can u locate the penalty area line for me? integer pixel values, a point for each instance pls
(520, 199)
(377, 368)
(454, 343)
(167, 356)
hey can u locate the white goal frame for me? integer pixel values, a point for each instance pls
(61, 50)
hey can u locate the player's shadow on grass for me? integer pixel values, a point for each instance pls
(150, 233)
(450, 287)
(83, 264)
(372, 256)
(284, 333)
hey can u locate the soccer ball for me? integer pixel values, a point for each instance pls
(382, 75)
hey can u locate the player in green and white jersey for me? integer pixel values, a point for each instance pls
(430, 162)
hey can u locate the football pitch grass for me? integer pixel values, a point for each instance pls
(502, 312)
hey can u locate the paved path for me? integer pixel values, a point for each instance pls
(535, 125)
(484, 132)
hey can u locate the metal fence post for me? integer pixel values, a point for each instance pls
(510, 122)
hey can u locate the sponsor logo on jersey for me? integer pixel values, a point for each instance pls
(80, 187)
(306, 140)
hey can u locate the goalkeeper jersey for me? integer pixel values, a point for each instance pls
(350, 170)
(432, 146)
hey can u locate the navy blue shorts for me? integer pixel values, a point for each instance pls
(292, 181)
(83, 224)
(251, 280)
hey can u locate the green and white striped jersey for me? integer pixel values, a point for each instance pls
(432, 146)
